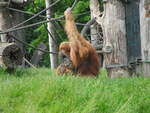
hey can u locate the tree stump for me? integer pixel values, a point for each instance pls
(10, 55)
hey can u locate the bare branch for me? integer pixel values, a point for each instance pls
(87, 26)
(95, 10)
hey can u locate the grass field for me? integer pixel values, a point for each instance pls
(40, 91)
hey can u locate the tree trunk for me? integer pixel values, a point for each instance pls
(96, 39)
(114, 32)
(52, 45)
(145, 37)
(115, 38)
(8, 20)
(5, 22)
(20, 34)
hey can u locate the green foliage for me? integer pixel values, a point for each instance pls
(42, 35)
(41, 91)
(38, 34)
(81, 6)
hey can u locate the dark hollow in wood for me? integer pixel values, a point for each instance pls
(11, 54)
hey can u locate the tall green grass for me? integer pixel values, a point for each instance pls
(41, 91)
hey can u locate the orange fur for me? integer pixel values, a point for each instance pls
(65, 47)
(83, 56)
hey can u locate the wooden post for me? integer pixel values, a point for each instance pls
(52, 45)
(145, 37)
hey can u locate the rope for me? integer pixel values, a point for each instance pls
(30, 64)
(77, 23)
(9, 2)
(24, 27)
(16, 27)
(41, 13)
(29, 13)
(24, 12)
(50, 35)
(35, 15)
(74, 3)
(55, 29)
(34, 24)
(32, 46)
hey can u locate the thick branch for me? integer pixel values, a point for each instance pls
(87, 26)
(95, 10)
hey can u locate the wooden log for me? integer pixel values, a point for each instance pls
(11, 55)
